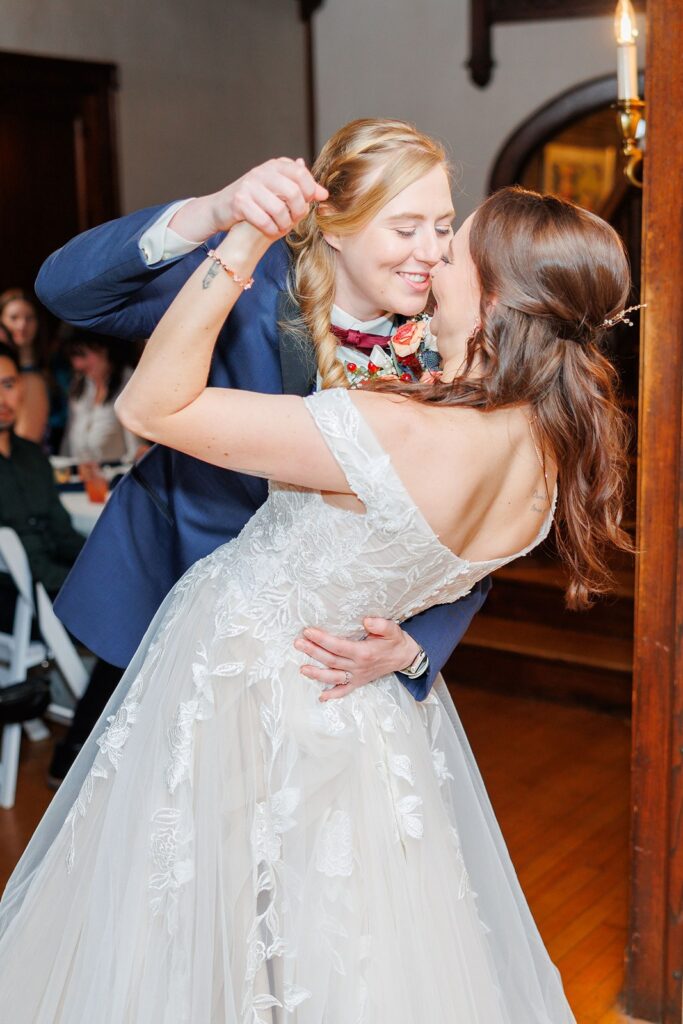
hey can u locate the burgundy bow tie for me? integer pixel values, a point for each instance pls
(356, 339)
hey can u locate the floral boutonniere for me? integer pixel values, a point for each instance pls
(408, 356)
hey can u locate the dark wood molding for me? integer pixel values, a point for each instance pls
(307, 9)
(61, 73)
(547, 121)
(484, 14)
(655, 949)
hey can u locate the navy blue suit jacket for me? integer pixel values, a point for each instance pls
(172, 509)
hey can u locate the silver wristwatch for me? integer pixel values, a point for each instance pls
(418, 665)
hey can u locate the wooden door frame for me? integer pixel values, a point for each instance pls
(655, 949)
(93, 86)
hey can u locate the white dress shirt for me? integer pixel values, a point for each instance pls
(384, 326)
(160, 243)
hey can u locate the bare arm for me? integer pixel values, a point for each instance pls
(166, 400)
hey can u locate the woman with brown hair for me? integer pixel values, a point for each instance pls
(18, 314)
(243, 847)
(93, 431)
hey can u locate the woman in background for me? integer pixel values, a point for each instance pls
(93, 430)
(19, 316)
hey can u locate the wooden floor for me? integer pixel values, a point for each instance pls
(558, 778)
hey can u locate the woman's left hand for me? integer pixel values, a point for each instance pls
(247, 239)
(348, 664)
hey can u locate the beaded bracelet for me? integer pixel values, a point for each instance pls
(244, 284)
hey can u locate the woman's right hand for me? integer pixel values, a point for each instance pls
(272, 197)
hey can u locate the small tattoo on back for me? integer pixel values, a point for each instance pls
(539, 497)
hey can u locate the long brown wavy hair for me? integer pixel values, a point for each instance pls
(550, 274)
(348, 167)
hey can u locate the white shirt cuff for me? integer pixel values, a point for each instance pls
(160, 243)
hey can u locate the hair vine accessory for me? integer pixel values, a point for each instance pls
(622, 318)
(241, 282)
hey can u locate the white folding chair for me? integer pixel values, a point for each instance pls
(20, 653)
(16, 648)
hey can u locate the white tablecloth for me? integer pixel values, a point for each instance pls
(83, 512)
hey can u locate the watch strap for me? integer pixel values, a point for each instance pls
(418, 665)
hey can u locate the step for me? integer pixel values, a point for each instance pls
(530, 660)
(548, 643)
(553, 576)
(534, 592)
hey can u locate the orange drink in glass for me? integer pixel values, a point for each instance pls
(96, 488)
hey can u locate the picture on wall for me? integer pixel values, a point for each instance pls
(582, 174)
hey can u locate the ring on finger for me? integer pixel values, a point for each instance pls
(347, 677)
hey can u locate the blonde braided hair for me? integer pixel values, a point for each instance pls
(363, 166)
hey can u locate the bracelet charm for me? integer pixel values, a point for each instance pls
(243, 283)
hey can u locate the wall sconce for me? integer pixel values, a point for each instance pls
(630, 108)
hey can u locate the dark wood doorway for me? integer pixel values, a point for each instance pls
(58, 167)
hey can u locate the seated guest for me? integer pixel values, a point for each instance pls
(93, 431)
(29, 502)
(19, 316)
(30, 505)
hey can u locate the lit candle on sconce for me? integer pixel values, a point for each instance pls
(630, 108)
(627, 56)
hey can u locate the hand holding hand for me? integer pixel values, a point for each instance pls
(349, 664)
(272, 197)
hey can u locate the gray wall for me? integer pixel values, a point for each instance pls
(211, 87)
(404, 58)
(208, 88)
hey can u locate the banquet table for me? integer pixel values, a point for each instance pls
(84, 513)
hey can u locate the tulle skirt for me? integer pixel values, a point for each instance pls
(229, 849)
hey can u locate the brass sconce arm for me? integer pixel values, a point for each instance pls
(630, 120)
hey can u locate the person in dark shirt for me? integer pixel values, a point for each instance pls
(30, 505)
(29, 502)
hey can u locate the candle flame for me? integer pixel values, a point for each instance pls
(625, 23)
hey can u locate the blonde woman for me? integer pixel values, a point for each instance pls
(340, 268)
(235, 846)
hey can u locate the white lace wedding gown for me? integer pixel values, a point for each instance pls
(230, 849)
